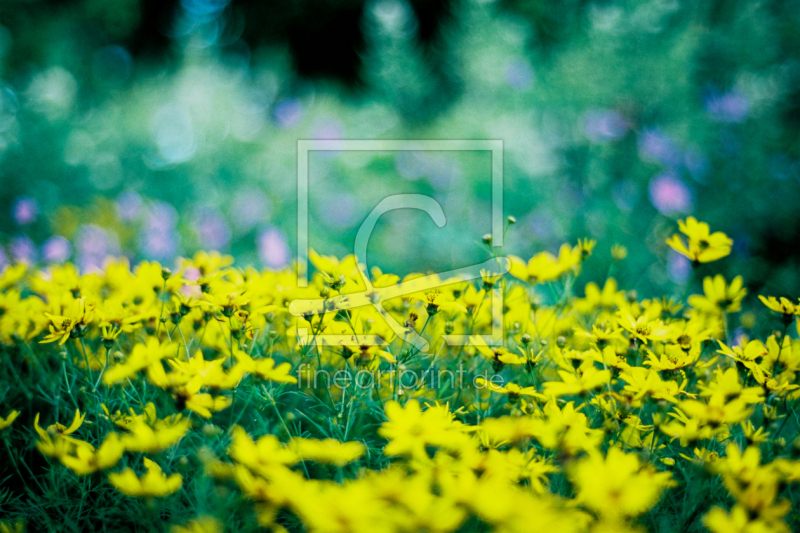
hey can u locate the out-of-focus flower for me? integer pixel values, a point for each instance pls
(719, 297)
(23, 249)
(129, 205)
(272, 248)
(519, 75)
(159, 238)
(656, 145)
(602, 125)
(678, 267)
(94, 244)
(669, 194)
(8, 420)
(25, 210)
(154, 483)
(212, 229)
(728, 107)
(288, 112)
(201, 524)
(56, 249)
(250, 207)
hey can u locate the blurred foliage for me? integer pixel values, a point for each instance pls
(156, 128)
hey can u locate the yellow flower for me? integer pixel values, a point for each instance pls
(577, 383)
(228, 302)
(12, 527)
(566, 430)
(740, 521)
(56, 441)
(327, 451)
(605, 299)
(513, 390)
(8, 420)
(201, 524)
(336, 273)
(11, 275)
(702, 246)
(72, 324)
(153, 484)
(748, 356)
(726, 385)
(717, 411)
(719, 296)
(498, 355)
(544, 266)
(87, 460)
(142, 356)
(687, 430)
(142, 437)
(265, 368)
(674, 357)
(436, 301)
(784, 306)
(646, 382)
(689, 333)
(410, 429)
(60, 430)
(262, 456)
(754, 435)
(585, 247)
(644, 328)
(618, 485)
(753, 485)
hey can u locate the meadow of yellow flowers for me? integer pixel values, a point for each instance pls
(137, 398)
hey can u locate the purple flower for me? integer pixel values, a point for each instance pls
(669, 194)
(25, 210)
(542, 225)
(192, 274)
(211, 228)
(129, 205)
(410, 164)
(328, 129)
(272, 248)
(56, 249)
(159, 239)
(159, 246)
(678, 267)
(519, 75)
(93, 245)
(288, 112)
(161, 217)
(23, 249)
(3, 259)
(656, 145)
(602, 125)
(250, 206)
(339, 210)
(192, 291)
(730, 107)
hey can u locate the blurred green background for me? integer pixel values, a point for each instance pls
(153, 129)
